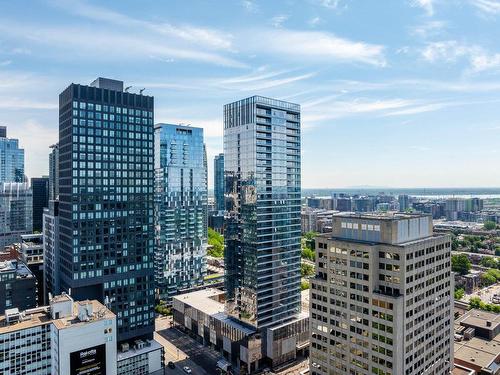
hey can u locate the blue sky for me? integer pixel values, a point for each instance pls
(394, 93)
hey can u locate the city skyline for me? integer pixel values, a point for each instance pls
(425, 85)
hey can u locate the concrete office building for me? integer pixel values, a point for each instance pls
(262, 230)
(219, 182)
(382, 298)
(404, 202)
(17, 286)
(106, 182)
(65, 337)
(54, 172)
(16, 212)
(40, 189)
(180, 209)
(11, 158)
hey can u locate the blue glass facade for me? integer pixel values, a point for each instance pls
(180, 208)
(262, 234)
(11, 159)
(16, 212)
(219, 182)
(106, 182)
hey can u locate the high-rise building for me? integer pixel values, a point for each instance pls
(40, 188)
(54, 172)
(106, 182)
(219, 182)
(382, 298)
(11, 158)
(51, 250)
(18, 287)
(180, 208)
(16, 212)
(30, 251)
(262, 234)
(404, 202)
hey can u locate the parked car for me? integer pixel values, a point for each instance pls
(171, 365)
(187, 369)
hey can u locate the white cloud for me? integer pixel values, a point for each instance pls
(490, 7)
(277, 21)
(18, 103)
(426, 5)
(428, 29)
(250, 6)
(483, 62)
(315, 21)
(316, 45)
(330, 4)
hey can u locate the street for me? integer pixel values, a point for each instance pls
(184, 350)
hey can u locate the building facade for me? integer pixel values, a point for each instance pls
(65, 337)
(106, 182)
(219, 182)
(180, 208)
(16, 212)
(51, 251)
(11, 158)
(40, 189)
(30, 251)
(54, 172)
(382, 298)
(18, 286)
(262, 232)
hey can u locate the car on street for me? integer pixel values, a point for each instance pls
(187, 369)
(171, 365)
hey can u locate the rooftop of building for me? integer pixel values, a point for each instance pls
(477, 351)
(42, 315)
(206, 300)
(387, 216)
(32, 239)
(461, 370)
(139, 347)
(22, 271)
(479, 319)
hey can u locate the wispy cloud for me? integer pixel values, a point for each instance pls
(315, 21)
(316, 45)
(491, 7)
(250, 6)
(429, 29)
(450, 51)
(426, 5)
(278, 20)
(18, 103)
(330, 4)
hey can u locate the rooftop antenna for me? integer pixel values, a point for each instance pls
(127, 88)
(141, 90)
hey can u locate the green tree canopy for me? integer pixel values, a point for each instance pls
(460, 263)
(216, 240)
(490, 225)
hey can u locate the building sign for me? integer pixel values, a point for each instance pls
(90, 361)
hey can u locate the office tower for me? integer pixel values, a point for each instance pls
(40, 188)
(219, 182)
(106, 234)
(404, 202)
(262, 234)
(17, 286)
(16, 212)
(180, 208)
(65, 337)
(382, 298)
(51, 250)
(54, 172)
(11, 158)
(30, 252)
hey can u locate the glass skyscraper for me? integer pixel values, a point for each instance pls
(54, 172)
(262, 234)
(180, 208)
(16, 212)
(40, 188)
(11, 158)
(219, 182)
(106, 182)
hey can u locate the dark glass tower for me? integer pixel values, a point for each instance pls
(106, 235)
(180, 208)
(40, 188)
(262, 167)
(219, 182)
(11, 158)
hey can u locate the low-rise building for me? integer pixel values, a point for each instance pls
(18, 286)
(203, 314)
(66, 337)
(477, 342)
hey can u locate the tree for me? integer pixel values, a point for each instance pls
(459, 293)
(488, 279)
(460, 263)
(306, 270)
(489, 225)
(304, 285)
(216, 241)
(489, 262)
(308, 253)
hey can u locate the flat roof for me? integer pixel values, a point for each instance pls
(380, 215)
(477, 351)
(149, 346)
(203, 300)
(22, 271)
(479, 318)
